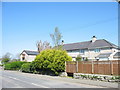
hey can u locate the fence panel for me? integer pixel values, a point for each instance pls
(80, 67)
(95, 67)
(71, 67)
(87, 67)
(116, 67)
(104, 67)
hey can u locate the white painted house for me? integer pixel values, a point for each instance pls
(28, 56)
(93, 50)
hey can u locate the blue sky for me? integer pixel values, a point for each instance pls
(24, 23)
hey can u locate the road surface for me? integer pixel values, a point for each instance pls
(15, 79)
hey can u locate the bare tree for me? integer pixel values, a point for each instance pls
(56, 37)
(16, 57)
(42, 46)
(39, 46)
(46, 45)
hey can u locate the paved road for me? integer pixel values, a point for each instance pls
(14, 79)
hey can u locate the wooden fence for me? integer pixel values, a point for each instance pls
(94, 67)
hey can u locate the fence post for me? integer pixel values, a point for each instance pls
(65, 66)
(92, 67)
(76, 66)
(111, 65)
(119, 68)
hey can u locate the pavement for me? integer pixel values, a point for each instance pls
(16, 79)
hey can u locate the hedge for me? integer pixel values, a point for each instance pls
(13, 65)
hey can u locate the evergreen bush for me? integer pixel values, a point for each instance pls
(26, 67)
(51, 61)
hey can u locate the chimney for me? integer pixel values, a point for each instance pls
(94, 39)
(62, 42)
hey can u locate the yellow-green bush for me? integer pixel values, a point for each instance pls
(51, 61)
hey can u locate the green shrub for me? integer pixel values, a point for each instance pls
(113, 78)
(86, 59)
(51, 61)
(117, 77)
(78, 58)
(1, 65)
(13, 65)
(26, 67)
(95, 77)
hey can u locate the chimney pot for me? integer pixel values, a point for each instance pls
(94, 39)
(62, 42)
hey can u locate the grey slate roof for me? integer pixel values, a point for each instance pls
(31, 52)
(104, 55)
(88, 45)
(117, 54)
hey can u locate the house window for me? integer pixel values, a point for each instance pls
(82, 51)
(106, 48)
(23, 54)
(91, 50)
(69, 51)
(97, 50)
(73, 51)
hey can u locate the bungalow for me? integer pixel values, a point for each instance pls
(93, 50)
(28, 56)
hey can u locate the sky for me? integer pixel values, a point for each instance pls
(25, 23)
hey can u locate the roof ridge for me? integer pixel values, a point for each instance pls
(83, 41)
(30, 50)
(76, 42)
(109, 43)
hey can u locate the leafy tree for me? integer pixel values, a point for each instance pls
(51, 61)
(78, 58)
(6, 58)
(56, 38)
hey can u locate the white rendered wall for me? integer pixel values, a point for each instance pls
(91, 54)
(28, 58)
